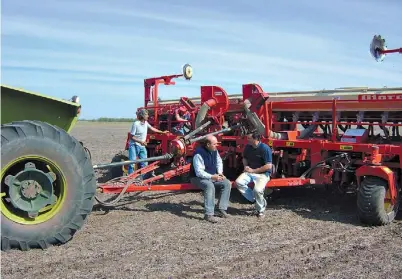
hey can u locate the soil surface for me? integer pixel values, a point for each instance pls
(306, 233)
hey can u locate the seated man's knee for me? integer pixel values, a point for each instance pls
(240, 184)
(208, 185)
(227, 183)
(240, 181)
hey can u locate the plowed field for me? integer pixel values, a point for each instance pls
(306, 234)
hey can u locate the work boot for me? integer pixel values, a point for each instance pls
(222, 213)
(260, 215)
(210, 218)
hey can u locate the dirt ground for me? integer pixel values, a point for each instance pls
(306, 234)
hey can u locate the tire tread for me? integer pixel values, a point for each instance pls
(20, 129)
(370, 200)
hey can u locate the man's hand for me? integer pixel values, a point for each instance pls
(144, 143)
(248, 169)
(217, 177)
(164, 132)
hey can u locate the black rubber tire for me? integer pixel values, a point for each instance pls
(370, 202)
(34, 137)
(118, 171)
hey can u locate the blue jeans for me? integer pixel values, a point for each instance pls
(178, 131)
(135, 152)
(257, 194)
(208, 186)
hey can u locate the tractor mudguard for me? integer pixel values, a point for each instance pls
(380, 171)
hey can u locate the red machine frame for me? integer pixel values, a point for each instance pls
(325, 156)
(371, 163)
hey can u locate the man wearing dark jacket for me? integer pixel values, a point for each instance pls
(206, 172)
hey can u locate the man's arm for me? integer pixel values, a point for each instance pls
(264, 168)
(219, 163)
(156, 130)
(199, 167)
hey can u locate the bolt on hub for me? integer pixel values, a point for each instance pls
(31, 189)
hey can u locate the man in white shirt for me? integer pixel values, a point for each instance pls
(206, 172)
(137, 144)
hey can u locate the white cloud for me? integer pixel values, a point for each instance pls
(242, 62)
(198, 20)
(97, 48)
(127, 20)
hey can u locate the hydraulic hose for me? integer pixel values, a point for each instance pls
(308, 132)
(116, 200)
(123, 191)
(321, 163)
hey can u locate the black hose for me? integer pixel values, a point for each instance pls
(307, 132)
(116, 200)
(319, 164)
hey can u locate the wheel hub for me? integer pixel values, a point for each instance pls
(31, 189)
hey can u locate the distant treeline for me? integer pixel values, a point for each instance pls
(107, 119)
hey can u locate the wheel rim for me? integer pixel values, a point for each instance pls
(388, 207)
(124, 168)
(33, 190)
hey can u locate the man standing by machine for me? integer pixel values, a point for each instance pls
(137, 144)
(206, 172)
(257, 161)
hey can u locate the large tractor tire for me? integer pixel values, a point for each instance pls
(47, 185)
(373, 202)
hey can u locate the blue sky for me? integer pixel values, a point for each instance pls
(101, 50)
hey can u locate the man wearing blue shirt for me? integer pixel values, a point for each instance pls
(257, 161)
(206, 172)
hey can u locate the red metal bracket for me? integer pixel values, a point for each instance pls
(188, 104)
